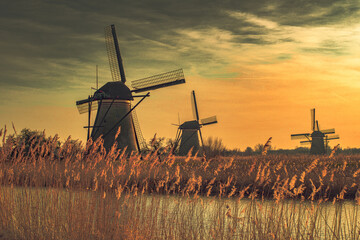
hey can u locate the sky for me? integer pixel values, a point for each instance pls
(259, 66)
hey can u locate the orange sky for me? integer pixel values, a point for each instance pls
(256, 90)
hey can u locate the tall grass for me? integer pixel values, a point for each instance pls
(49, 191)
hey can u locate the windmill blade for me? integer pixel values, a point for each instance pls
(83, 105)
(113, 50)
(209, 120)
(328, 131)
(201, 138)
(300, 136)
(90, 99)
(158, 81)
(176, 141)
(177, 137)
(305, 142)
(194, 106)
(312, 111)
(317, 126)
(140, 138)
(333, 137)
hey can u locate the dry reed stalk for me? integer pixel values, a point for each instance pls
(266, 147)
(334, 151)
(117, 133)
(93, 168)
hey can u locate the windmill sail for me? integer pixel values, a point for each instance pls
(312, 119)
(140, 138)
(317, 126)
(328, 131)
(113, 50)
(305, 142)
(158, 81)
(209, 120)
(194, 106)
(83, 106)
(300, 136)
(333, 137)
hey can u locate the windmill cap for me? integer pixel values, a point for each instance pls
(317, 134)
(114, 90)
(190, 125)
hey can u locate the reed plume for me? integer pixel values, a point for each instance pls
(334, 151)
(266, 147)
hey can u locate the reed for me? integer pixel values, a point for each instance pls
(52, 191)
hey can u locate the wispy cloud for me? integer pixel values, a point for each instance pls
(251, 18)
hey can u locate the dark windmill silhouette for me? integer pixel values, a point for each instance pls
(318, 138)
(113, 101)
(187, 136)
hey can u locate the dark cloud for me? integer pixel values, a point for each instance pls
(313, 13)
(53, 44)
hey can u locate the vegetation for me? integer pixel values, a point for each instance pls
(65, 191)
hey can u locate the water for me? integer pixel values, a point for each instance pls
(297, 218)
(192, 217)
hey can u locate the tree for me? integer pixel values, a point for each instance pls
(29, 143)
(29, 138)
(213, 147)
(248, 151)
(258, 148)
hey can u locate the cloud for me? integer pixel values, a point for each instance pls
(50, 44)
(253, 19)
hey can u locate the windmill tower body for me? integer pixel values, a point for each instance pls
(317, 143)
(113, 101)
(316, 138)
(189, 137)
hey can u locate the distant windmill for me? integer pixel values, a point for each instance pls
(318, 138)
(187, 133)
(113, 101)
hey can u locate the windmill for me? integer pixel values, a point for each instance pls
(113, 101)
(318, 138)
(187, 136)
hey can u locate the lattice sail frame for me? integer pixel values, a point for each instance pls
(112, 56)
(312, 114)
(328, 131)
(158, 79)
(209, 120)
(332, 137)
(301, 136)
(140, 137)
(84, 108)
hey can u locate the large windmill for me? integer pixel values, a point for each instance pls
(318, 138)
(113, 101)
(187, 136)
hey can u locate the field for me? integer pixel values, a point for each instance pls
(52, 191)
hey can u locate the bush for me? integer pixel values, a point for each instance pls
(213, 147)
